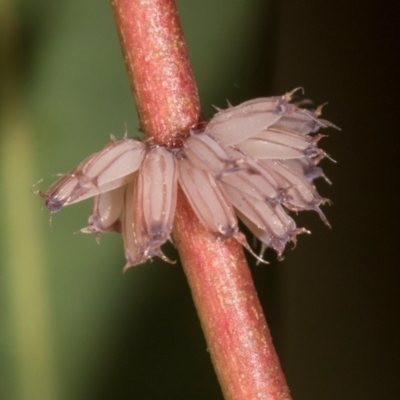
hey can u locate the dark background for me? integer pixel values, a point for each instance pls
(332, 304)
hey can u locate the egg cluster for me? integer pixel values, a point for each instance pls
(255, 161)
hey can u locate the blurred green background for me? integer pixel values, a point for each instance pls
(73, 327)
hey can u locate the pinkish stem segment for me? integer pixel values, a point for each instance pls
(166, 96)
(158, 66)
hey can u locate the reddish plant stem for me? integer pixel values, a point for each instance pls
(159, 70)
(231, 316)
